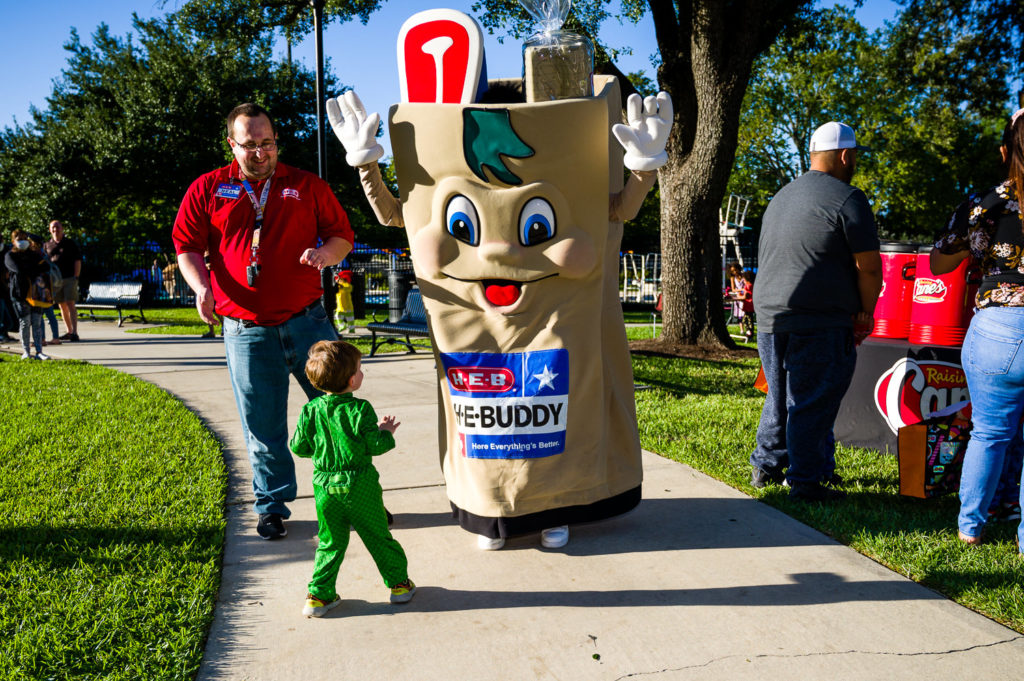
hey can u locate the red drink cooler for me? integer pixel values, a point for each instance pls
(892, 312)
(942, 306)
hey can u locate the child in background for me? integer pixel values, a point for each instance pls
(341, 434)
(735, 277)
(746, 297)
(344, 313)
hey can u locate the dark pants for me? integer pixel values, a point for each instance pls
(8, 320)
(808, 373)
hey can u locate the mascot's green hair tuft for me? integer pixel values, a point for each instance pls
(487, 135)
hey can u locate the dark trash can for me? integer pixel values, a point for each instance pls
(330, 289)
(359, 295)
(399, 284)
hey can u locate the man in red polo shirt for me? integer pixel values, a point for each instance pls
(269, 230)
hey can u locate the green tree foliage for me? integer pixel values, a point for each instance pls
(927, 93)
(133, 120)
(809, 76)
(243, 19)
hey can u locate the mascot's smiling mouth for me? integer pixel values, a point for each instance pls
(501, 292)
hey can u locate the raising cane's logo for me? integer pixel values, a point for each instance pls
(911, 391)
(929, 290)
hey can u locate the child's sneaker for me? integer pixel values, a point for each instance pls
(318, 608)
(403, 592)
(40, 355)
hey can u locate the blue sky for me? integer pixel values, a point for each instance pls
(33, 34)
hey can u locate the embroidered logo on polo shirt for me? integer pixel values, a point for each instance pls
(293, 193)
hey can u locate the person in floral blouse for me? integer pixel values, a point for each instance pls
(990, 227)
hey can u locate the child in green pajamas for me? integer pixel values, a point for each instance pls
(340, 432)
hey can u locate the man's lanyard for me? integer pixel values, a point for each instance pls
(258, 206)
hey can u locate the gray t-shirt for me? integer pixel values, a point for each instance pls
(806, 275)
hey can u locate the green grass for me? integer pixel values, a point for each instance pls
(646, 330)
(111, 526)
(705, 414)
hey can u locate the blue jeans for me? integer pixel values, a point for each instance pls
(260, 359)
(808, 373)
(51, 318)
(30, 325)
(994, 366)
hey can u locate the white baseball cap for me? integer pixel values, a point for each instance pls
(834, 135)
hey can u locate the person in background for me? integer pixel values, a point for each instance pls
(25, 265)
(8, 320)
(344, 310)
(819, 275)
(156, 277)
(49, 313)
(170, 277)
(746, 298)
(735, 282)
(65, 253)
(990, 227)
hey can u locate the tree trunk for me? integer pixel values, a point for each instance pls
(707, 58)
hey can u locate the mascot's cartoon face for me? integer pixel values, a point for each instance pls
(503, 210)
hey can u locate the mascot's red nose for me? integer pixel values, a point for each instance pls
(501, 293)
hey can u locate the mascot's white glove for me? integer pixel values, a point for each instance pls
(355, 129)
(644, 138)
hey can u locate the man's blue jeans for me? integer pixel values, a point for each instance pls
(51, 319)
(808, 373)
(260, 360)
(994, 365)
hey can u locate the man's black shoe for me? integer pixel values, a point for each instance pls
(814, 492)
(271, 526)
(834, 480)
(759, 479)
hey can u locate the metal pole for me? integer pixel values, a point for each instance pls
(318, 25)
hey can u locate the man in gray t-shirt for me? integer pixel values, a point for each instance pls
(819, 276)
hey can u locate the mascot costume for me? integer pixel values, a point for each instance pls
(514, 205)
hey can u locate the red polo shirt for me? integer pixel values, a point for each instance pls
(217, 215)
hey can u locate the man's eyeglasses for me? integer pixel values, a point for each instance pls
(251, 147)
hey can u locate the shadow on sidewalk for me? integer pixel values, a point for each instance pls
(809, 588)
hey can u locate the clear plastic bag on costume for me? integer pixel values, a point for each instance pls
(557, 64)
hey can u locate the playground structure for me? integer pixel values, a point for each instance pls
(639, 277)
(731, 224)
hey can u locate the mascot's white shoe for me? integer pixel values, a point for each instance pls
(487, 544)
(555, 537)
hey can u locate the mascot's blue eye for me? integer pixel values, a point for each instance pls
(461, 220)
(536, 222)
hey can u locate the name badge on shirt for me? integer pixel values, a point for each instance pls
(228, 191)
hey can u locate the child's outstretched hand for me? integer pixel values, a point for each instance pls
(389, 424)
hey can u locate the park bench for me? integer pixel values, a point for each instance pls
(114, 295)
(413, 322)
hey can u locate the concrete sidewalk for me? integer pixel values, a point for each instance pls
(699, 582)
